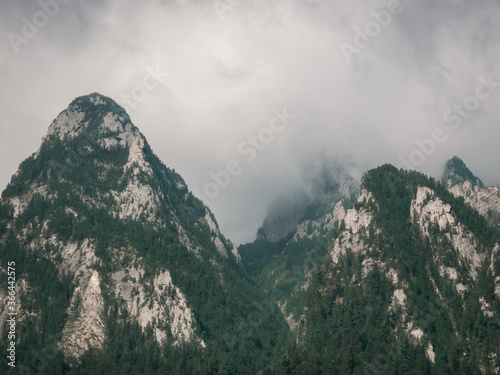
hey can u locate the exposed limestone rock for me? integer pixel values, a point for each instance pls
(461, 288)
(495, 253)
(338, 213)
(429, 351)
(428, 209)
(68, 124)
(417, 333)
(185, 240)
(356, 220)
(87, 329)
(311, 228)
(217, 238)
(356, 227)
(136, 159)
(235, 252)
(398, 299)
(136, 201)
(392, 275)
(219, 245)
(19, 203)
(77, 259)
(163, 305)
(449, 272)
(486, 200)
(370, 264)
(485, 307)
(97, 100)
(461, 182)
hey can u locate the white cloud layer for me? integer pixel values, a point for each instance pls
(231, 63)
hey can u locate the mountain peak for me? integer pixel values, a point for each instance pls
(95, 116)
(98, 100)
(456, 172)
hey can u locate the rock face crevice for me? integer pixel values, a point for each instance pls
(85, 329)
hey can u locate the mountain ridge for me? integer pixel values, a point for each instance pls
(408, 283)
(121, 269)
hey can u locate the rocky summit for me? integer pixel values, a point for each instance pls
(120, 269)
(462, 183)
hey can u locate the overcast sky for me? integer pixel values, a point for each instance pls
(365, 80)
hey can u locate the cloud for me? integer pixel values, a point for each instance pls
(226, 77)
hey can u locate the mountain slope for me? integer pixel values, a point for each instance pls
(119, 266)
(292, 239)
(409, 284)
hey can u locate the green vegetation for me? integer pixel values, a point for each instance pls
(349, 325)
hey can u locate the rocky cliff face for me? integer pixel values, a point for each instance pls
(123, 241)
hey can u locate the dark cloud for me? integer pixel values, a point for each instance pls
(229, 72)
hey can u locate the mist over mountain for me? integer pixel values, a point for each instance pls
(216, 77)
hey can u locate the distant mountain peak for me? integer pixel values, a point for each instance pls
(456, 172)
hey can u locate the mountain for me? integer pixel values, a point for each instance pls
(113, 266)
(293, 236)
(462, 183)
(405, 281)
(456, 173)
(119, 268)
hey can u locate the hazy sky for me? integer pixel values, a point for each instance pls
(360, 81)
